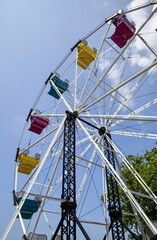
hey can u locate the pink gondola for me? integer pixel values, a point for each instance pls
(38, 124)
(124, 30)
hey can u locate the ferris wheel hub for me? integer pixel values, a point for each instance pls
(102, 131)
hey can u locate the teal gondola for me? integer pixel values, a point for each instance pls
(61, 85)
(29, 207)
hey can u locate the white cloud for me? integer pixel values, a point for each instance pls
(142, 61)
(148, 33)
(105, 3)
(19, 120)
(103, 63)
(100, 4)
(141, 55)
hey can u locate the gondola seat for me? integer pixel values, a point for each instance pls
(27, 163)
(38, 124)
(85, 55)
(61, 86)
(123, 32)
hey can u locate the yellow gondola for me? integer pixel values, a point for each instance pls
(27, 163)
(85, 55)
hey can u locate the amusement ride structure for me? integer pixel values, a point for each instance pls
(69, 154)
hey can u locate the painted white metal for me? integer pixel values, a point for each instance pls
(105, 74)
(144, 195)
(22, 224)
(138, 110)
(80, 157)
(85, 175)
(40, 139)
(87, 113)
(135, 134)
(119, 181)
(15, 180)
(134, 172)
(31, 184)
(130, 94)
(112, 47)
(101, 45)
(112, 95)
(117, 87)
(116, 14)
(23, 134)
(75, 81)
(140, 7)
(84, 139)
(105, 196)
(63, 115)
(47, 191)
(50, 211)
(123, 117)
(99, 104)
(133, 208)
(121, 95)
(116, 82)
(47, 223)
(144, 41)
(61, 96)
(95, 223)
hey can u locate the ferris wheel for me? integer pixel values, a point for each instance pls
(98, 100)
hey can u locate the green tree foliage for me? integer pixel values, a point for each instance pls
(146, 166)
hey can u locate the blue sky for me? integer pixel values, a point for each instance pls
(35, 36)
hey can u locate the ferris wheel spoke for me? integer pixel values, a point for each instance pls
(148, 46)
(98, 102)
(123, 117)
(84, 139)
(122, 127)
(39, 140)
(99, 105)
(77, 157)
(119, 181)
(48, 190)
(116, 83)
(112, 47)
(104, 90)
(32, 174)
(134, 172)
(75, 81)
(138, 110)
(113, 97)
(31, 184)
(87, 113)
(132, 206)
(22, 224)
(116, 59)
(89, 76)
(61, 96)
(119, 86)
(128, 98)
(86, 173)
(135, 134)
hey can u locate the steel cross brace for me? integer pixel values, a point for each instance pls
(113, 197)
(68, 215)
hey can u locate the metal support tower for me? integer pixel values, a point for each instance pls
(68, 227)
(68, 217)
(114, 207)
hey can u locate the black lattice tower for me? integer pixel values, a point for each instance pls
(68, 206)
(114, 207)
(68, 227)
